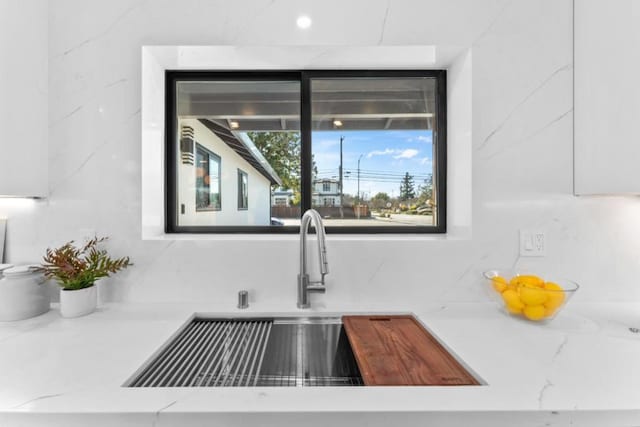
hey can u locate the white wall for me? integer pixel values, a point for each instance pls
(259, 212)
(23, 98)
(520, 61)
(607, 98)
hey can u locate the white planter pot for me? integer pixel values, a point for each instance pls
(23, 294)
(79, 302)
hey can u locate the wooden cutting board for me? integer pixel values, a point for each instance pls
(397, 350)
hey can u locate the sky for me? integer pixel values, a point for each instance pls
(385, 156)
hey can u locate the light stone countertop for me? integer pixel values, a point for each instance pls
(582, 368)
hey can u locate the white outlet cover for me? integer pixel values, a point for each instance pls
(533, 243)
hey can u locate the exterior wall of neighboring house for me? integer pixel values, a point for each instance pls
(281, 198)
(259, 207)
(326, 192)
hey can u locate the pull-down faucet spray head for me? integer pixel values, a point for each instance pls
(304, 284)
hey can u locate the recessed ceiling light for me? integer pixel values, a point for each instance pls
(337, 123)
(234, 125)
(303, 22)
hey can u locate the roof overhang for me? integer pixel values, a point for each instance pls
(244, 147)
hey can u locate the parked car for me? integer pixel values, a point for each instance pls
(424, 210)
(276, 221)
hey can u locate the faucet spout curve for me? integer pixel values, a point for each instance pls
(305, 286)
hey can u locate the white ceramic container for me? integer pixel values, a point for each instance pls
(23, 294)
(79, 302)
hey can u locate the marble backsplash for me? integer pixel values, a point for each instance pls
(521, 155)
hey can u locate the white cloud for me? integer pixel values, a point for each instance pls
(422, 138)
(425, 161)
(406, 154)
(384, 152)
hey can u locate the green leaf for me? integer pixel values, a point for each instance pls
(79, 267)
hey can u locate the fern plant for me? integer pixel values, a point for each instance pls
(79, 267)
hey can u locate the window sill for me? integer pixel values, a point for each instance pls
(453, 234)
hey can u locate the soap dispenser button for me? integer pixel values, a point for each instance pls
(243, 299)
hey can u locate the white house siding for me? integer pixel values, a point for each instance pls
(281, 198)
(259, 211)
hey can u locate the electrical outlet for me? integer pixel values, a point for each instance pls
(533, 243)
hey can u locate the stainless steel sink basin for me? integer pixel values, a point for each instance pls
(309, 352)
(236, 352)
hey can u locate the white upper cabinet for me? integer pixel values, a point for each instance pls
(23, 98)
(607, 97)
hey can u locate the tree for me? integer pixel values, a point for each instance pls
(425, 192)
(348, 199)
(407, 190)
(381, 196)
(380, 200)
(282, 151)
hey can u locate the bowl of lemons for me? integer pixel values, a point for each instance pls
(529, 296)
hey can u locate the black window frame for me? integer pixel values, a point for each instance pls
(210, 154)
(172, 77)
(242, 174)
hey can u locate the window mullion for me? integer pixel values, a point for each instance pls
(305, 138)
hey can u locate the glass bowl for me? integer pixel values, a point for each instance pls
(529, 296)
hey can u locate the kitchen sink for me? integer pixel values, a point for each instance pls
(259, 351)
(309, 352)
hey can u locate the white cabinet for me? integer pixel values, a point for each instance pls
(607, 96)
(23, 98)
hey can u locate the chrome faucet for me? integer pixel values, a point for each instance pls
(305, 286)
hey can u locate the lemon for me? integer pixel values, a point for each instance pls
(512, 301)
(553, 286)
(514, 282)
(527, 280)
(499, 283)
(549, 311)
(555, 295)
(514, 309)
(532, 295)
(512, 286)
(534, 312)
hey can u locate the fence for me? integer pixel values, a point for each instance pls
(324, 211)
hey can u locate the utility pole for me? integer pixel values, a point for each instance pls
(359, 202)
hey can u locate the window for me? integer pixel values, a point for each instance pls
(207, 180)
(243, 190)
(367, 149)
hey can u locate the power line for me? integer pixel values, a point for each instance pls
(395, 176)
(386, 178)
(381, 171)
(371, 171)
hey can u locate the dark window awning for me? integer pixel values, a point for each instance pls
(243, 146)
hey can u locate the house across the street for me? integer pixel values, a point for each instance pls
(326, 192)
(281, 197)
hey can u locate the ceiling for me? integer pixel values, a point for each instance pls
(336, 103)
